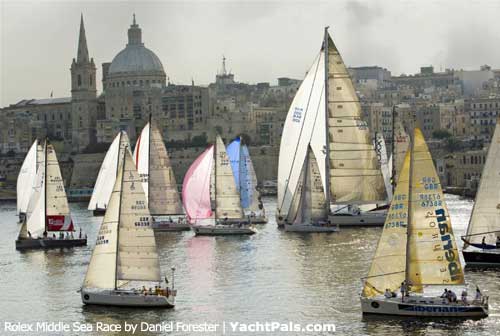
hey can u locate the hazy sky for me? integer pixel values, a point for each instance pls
(262, 40)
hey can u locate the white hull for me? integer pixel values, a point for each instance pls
(126, 299)
(222, 230)
(310, 228)
(422, 306)
(363, 219)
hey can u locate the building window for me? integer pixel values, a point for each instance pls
(79, 80)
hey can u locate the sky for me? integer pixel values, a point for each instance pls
(262, 40)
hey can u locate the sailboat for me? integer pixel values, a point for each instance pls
(154, 167)
(246, 181)
(482, 240)
(125, 257)
(48, 211)
(210, 196)
(107, 174)
(417, 249)
(26, 179)
(309, 211)
(331, 124)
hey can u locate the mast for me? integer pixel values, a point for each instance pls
(149, 154)
(408, 225)
(327, 115)
(393, 150)
(118, 223)
(215, 177)
(118, 156)
(45, 187)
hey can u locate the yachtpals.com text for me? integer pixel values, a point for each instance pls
(168, 326)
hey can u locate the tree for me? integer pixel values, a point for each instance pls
(441, 134)
(453, 144)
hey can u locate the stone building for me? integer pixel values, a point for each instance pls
(483, 114)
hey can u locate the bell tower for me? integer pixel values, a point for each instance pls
(83, 95)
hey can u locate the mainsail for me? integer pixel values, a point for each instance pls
(485, 218)
(401, 144)
(125, 248)
(227, 197)
(352, 158)
(196, 187)
(155, 169)
(107, 174)
(417, 243)
(26, 178)
(58, 214)
(312, 205)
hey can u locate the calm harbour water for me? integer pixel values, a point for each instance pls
(271, 276)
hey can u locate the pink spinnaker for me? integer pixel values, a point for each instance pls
(196, 187)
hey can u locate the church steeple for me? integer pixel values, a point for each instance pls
(83, 52)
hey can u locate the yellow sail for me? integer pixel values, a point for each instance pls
(352, 157)
(401, 143)
(388, 266)
(432, 250)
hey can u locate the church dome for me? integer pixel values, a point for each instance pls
(136, 59)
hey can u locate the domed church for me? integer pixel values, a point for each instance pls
(135, 65)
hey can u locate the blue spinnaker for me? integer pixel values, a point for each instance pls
(233, 151)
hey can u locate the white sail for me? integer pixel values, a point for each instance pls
(35, 214)
(107, 174)
(352, 158)
(57, 208)
(313, 207)
(126, 248)
(485, 218)
(26, 178)
(304, 125)
(227, 198)
(154, 167)
(385, 164)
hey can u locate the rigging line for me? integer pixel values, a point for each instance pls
(301, 127)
